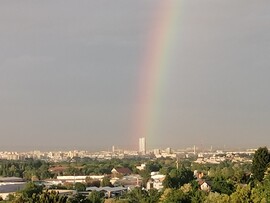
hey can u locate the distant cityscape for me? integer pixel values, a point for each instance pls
(116, 173)
(210, 155)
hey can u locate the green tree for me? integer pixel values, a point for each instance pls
(241, 195)
(167, 182)
(153, 166)
(214, 197)
(261, 192)
(239, 174)
(96, 197)
(175, 195)
(177, 178)
(31, 189)
(79, 187)
(198, 196)
(153, 196)
(145, 174)
(258, 194)
(137, 195)
(105, 182)
(260, 162)
(186, 176)
(77, 198)
(220, 185)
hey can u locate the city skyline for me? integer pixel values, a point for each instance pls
(93, 74)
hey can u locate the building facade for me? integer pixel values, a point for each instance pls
(142, 145)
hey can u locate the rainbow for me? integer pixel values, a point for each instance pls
(153, 70)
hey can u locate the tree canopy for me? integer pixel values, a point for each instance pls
(260, 162)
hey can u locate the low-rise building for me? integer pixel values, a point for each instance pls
(155, 181)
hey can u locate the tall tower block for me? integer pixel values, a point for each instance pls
(142, 145)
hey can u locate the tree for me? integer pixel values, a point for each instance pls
(105, 182)
(167, 182)
(198, 196)
(241, 195)
(257, 193)
(79, 187)
(239, 174)
(220, 185)
(78, 198)
(31, 189)
(139, 195)
(11, 197)
(260, 162)
(215, 197)
(145, 174)
(153, 196)
(176, 178)
(174, 195)
(96, 197)
(260, 193)
(153, 166)
(186, 176)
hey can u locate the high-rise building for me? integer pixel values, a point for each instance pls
(168, 150)
(142, 145)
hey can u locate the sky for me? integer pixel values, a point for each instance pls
(69, 74)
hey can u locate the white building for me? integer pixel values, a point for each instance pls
(155, 181)
(141, 167)
(76, 179)
(142, 145)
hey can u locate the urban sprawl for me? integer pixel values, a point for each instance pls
(117, 175)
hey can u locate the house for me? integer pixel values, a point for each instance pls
(155, 181)
(204, 185)
(121, 171)
(198, 174)
(108, 191)
(141, 167)
(154, 184)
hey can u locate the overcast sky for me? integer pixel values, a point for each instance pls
(69, 74)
